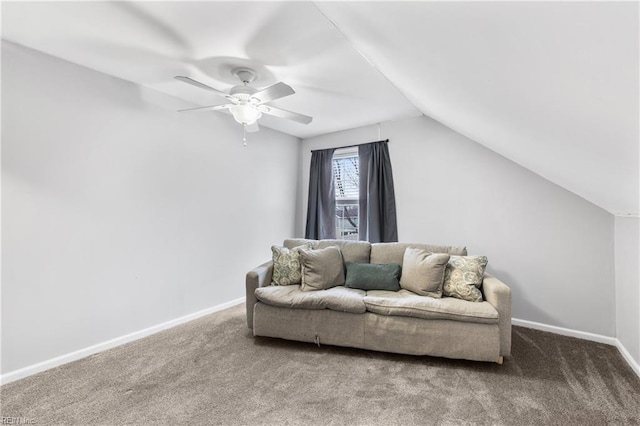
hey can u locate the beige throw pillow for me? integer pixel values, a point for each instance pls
(463, 277)
(287, 269)
(423, 272)
(321, 269)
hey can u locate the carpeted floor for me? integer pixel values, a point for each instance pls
(212, 371)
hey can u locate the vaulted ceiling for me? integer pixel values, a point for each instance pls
(552, 86)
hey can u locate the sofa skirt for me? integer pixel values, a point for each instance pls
(397, 334)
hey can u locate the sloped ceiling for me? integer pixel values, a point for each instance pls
(552, 86)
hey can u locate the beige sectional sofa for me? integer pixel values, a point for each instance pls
(390, 321)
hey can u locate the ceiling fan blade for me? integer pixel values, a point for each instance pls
(271, 93)
(200, 85)
(252, 128)
(283, 113)
(207, 108)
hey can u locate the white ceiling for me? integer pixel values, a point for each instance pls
(552, 86)
(149, 43)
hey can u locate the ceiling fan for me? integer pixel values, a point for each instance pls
(247, 104)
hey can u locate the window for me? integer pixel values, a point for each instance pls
(346, 183)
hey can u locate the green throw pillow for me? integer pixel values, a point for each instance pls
(463, 277)
(370, 276)
(287, 269)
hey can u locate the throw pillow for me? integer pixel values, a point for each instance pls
(423, 272)
(287, 269)
(321, 269)
(463, 277)
(368, 276)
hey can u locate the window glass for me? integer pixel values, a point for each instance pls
(346, 182)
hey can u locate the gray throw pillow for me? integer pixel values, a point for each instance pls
(423, 272)
(287, 269)
(463, 277)
(321, 269)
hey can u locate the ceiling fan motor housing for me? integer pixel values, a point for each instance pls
(242, 93)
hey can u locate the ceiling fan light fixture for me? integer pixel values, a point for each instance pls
(245, 114)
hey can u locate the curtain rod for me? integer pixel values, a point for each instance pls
(351, 146)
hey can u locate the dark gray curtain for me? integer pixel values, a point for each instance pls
(321, 209)
(378, 223)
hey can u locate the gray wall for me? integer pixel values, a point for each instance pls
(552, 247)
(120, 214)
(627, 255)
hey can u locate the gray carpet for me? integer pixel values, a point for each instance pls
(212, 371)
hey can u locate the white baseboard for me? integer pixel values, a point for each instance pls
(627, 356)
(566, 331)
(83, 353)
(582, 335)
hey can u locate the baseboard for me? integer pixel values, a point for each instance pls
(627, 356)
(566, 331)
(582, 335)
(83, 353)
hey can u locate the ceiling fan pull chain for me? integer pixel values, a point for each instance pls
(244, 134)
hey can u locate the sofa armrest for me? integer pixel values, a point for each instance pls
(258, 277)
(499, 295)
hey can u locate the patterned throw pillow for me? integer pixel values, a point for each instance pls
(287, 268)
(463, 277)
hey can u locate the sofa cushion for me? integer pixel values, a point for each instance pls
(367, 276)
(287, 269)
(408, 304)
(352, 251)
(463, 277)
(394, 252)
(291, 296)
(423, 272)
(321, 268)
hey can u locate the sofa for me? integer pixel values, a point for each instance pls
(389, 321)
